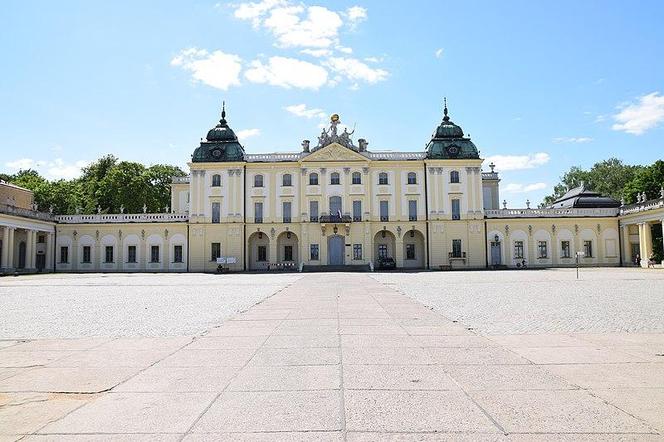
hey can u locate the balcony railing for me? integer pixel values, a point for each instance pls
(412, 218)
(102, 218)
(26, 213)
(258, 220)
(384, 218)
(313, 219)
(456, 255)
(640, 207)
(335, 219)
(551, 213)
(357, 219)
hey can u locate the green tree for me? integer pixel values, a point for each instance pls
(608, 177)
(649, 179)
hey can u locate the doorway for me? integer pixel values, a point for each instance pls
(335, 250)
(496, 258)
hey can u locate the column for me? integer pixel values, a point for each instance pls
(662, 221)
(28, 249)
(33, 257)
(645, 243)
(626, 246)
(10, 248)
(4, 259)
(398, 253)
(49, 252)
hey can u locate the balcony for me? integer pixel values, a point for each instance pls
(456, 256)
(258, 220)
(357, 219)
(412, 218)
(335, 219)
(27, 213)
(384, 218)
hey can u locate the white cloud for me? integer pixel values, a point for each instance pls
(354, 69)
(518, 162)
(439, 52)
(373, 59)
(317, 52)
(639, 117)
(287, 73)
(54, 170)
(301, 110)
(319, 29)
(216, 69)
(247, 133)
(522, 188)
(356, 15)
(572, 140)
(255, 11)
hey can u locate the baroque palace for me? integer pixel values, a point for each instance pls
(330, 206)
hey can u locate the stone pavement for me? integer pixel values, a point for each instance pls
(335, 357)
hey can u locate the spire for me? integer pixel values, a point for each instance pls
(223, 112)
(445, 118)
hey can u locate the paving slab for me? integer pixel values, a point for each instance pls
(506, 377)
(163, 378)
(271, 378)
(23, 413)
(67, 380)
(414, 411)
(21, 359)
(134, 413)
(273, 411)
(575, 355)
(603, 376)
(236, 357)
(644, 403)
(397, 377)
(296, 356)
(285, 436)
(557, 411)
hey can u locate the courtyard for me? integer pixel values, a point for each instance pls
(503, 355)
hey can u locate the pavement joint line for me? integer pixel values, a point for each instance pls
(342, 394)
(223, 390)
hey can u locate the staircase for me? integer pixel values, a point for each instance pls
(337, 268)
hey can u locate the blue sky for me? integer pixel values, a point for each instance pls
(540, 86)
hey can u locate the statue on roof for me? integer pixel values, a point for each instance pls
(331, 135)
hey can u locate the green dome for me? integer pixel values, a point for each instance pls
(221, 144)
(448, 142)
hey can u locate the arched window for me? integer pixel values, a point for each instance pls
(412, 178)
(382, 178)
(454, 176)
(286, 180)
(258, 180)
(357, 178)
(216, 180)
(313, 179)
(334, 178)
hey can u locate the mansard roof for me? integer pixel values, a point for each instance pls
(581, 197)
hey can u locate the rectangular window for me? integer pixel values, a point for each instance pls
(216, 209)
(410, 251)
(154, 254)
(384, 211)
(382, 250)
(131, 254)
(456, 248)
(357, 251)
(518, 249)
(357, 178)
(64, 254)
(456, 208)
(357, 210)
(41, 239)
(412, 210)
(566, 252)
(541, 249)
(215, 251)
(86, 254)
(313, 211)
(262, 254)
(177, 253)
(108, 254)
(588, 248)
(287, 180)
(288, 253)
(313, 252)
(258, 213)
(286, 211)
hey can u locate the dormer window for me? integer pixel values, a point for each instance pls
(258, 180)
(216, 180)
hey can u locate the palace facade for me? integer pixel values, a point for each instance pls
(335, 205)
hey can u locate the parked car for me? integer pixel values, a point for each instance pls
(386, 263)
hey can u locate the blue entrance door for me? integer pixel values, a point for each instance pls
(335, 250)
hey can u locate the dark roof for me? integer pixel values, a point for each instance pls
(448, 142)
(580, 197)
(221, 144)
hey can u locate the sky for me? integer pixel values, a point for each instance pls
(539, 86)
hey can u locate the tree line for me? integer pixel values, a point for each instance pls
(108, 183)
(613, 178)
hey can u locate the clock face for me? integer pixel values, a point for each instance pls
(216, 153)
(453, 150)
